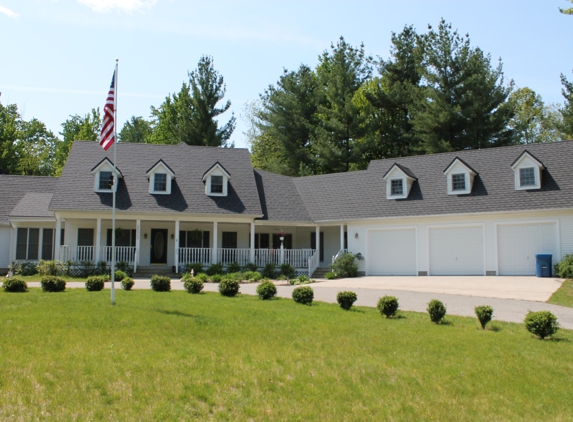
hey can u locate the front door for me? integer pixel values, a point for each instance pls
(158, 246)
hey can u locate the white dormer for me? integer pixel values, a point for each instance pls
(216, 180)
(459, 177)
(103, 173)
(527, 172)
(160, 178)
(399, 181)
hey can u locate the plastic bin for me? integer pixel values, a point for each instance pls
(543, 264)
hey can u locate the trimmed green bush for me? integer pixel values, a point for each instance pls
(125, 267)
(484, 315)
(252, 276)
(346, 299)
(288, 270)
(229, 287)
(388, 306)
(127, 283)
(215, 269)
(303, 279)
(52, 283)
(120, 275)
(216, 278)
(304, 295)
(542, 324)
(101, 268)
(96, 283)
(160, 283)
(27, 268)
(251, 266)
(330, 275)
(203, 277)
(437, 311)
(564, 269)
(15, 285)
(234, 267)
(87, 268)
(193, 285)
(197, 268)
(266, 290)
(235, 276)
(49, 267)
(345, 265)
(270, 270)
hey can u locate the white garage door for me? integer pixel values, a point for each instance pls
(391, 252)
(518, 244)
(456, 251)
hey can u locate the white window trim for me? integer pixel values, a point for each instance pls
(160, 168)
(396, 173)
(527, 161)
(216, 170)
(105, 165)
(459, 167)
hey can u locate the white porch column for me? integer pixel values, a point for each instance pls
(58, 240)
(318, 242)
(215, 239)
(13, 235)
(137, 244)
(98, 240)
(176, 246)
(341, 236)
(253, 241)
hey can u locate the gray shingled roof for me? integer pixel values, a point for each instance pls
(75, 190)
(280, 198)
(362, 194)
(14, 188)
(33, 205)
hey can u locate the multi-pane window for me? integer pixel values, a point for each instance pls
(160, 182)
(85, 238)
(105, 180)
(194, 239)
(216, 184)
(527, 176)
(47, 244)
(229, 240)
(397, 187)
(29, 245)
(459, 181)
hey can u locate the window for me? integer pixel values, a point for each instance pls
(527, 176)
(262, 241)
(216, 184)
(85, 238)
(397, 187)
(47, 244)
(105, 180)
(194, 239)
(123, 238)
(459, 181)
(27, 244)
(160, 182)
(287, 242)
(229, 240)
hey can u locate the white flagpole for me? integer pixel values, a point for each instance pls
(115, 184)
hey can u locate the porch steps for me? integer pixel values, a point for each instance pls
(320, 272)
(147, 272)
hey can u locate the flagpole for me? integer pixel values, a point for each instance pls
(115, 183)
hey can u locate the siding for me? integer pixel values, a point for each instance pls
(4, 247)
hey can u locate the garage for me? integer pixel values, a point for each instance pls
(517, 245)
(456, 251)
(391, 252)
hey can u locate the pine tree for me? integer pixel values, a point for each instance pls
(567, 110)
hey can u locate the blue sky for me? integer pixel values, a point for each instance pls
(58, 55)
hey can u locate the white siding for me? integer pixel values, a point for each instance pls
(5, 246)
(391, 252)
(456, 251)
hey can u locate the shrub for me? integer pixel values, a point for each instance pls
(229, 287)
(437, 311)
(120, 275)
(346, 299)
(388, 306)
(303, 295)
(95, 283)
(235, 276)
(127, 283)
(484, 314)
(251, 266)
(345, 266)
(216, 278)
(14, 267)
(15, 285)
(542, 324)
(215, 269)
(252, 276)
(101, 268)
(197, 268)
(27, 268)
(160, 283)
(330, 275)
(266, 290)
(270, 270)
(87, 268)
(282, 277)
(51, 283)
(125, 267)
(564, 269)
(193, 285)
(288, 270)
(234, 267)
(49, 267)
(303, 279)
(203, 277)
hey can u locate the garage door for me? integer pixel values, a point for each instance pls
(391, 252)
(456, 251)
(518, 244)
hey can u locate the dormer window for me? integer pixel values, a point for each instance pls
(216, 180)
(527, 172)
(105, 180)
(216, 184)
(399, 181)
(459, 177)
(160, 178)
(104, 175)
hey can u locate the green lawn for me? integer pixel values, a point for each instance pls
(564, 295)
(176, 356)
(38, 277)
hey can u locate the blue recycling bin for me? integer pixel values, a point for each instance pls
(543, 264)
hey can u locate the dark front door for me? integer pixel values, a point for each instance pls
(158, 246)
(313, 244)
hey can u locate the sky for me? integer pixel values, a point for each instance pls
(57, 56)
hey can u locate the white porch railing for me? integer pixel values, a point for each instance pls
(229, 255)
(122, 253)
(193, 255)
(87, 253)
(340, 252)
(76, 253)
(298, 258)
(313, 263)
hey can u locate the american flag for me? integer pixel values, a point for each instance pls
(106, 137)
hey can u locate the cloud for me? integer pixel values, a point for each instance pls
(122, 5)
(8, 12)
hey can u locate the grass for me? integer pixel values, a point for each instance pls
(564, 295)
(38, 277)
(176, 356)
